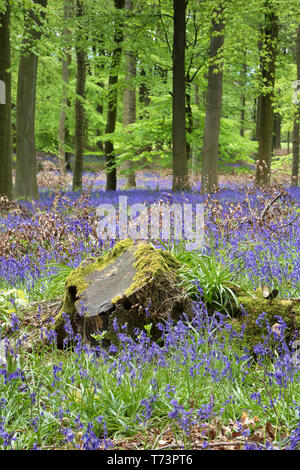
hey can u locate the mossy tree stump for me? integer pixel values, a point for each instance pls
(134, 284)
(255, 306)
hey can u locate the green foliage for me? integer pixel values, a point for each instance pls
(10, 301)
(204, 275)
(51, 286)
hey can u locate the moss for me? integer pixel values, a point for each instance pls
(150, 263)
(254, 307)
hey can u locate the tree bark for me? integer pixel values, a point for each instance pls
(129, 100)
(6, 186)
(144, 98)
(266, 117)
(196, 125)
(243, 96)
(180, 168)
(66, 62)
(26, 181)
(277, 132)
(79, 105)
(189, 113)
(296, 138)
(98, 53)
(111, 170)
(213, 106)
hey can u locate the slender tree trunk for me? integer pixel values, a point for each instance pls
(26, 181)
(277, 132)
(66, 62)
(189, 113)
(111, 170)
(129, 100)
(100, 84)
(80, 121)
(288, 141)
(196, 125)
(267, 61)
(6, 187)
(144, 98)
(296, 137)
(180, 168)
(243, 96)
(213, 106)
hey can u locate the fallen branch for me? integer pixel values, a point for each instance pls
(268, 206)
(286, 225)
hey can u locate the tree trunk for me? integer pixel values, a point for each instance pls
(277, 132)
(189, 113)
(243, 96)
(79, 106)
(66, 62)
(258, 117)
(144, 98)
(129, 101)
(196, 124)
(26, 181)
(100, 85)
(266, 117)
(213, 106)
(296, 138)
(180, 168)
(111, 170)
(6, 187)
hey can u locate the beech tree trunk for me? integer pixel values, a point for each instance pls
(144, 98)
(266, 113)
(26, 181)
(98, 54)
(243, 96)
(66, 62)
(6, 187)
(111, 170)
(296, 138)
(277, 132)
(213, 106)
(79, 106)
(129, 100)
(196, 125)
(180, 168)
(189, 113)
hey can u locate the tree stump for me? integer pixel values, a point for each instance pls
(133, 285)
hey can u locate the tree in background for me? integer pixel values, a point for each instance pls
(180, 168)
(26, 182)
(66, 62)
(111, 170)
(80, 96)
(213, 103)
(6, 187)
(265, 109)
(129, 99)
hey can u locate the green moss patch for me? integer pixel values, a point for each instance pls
(254, 307)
